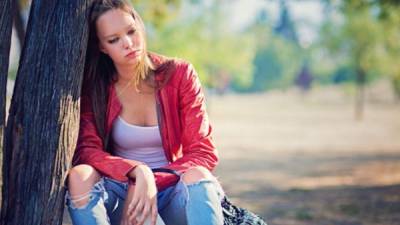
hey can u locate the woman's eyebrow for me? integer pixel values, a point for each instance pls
(126, 28)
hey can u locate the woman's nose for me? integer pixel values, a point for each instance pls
(127, 42)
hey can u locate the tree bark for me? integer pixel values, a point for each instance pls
(42, 125)
(5, 43)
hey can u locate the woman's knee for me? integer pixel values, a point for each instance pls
(81, 178)
(196, 174)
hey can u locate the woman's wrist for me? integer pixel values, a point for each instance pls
(139, 170)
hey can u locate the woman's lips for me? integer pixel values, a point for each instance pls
(133, 54)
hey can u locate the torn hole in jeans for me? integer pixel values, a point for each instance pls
(97, 190)
(214, 181)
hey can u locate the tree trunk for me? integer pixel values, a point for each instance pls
(42, 125)
(5, 43)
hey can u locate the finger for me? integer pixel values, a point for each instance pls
(136, 211)
(136, 216)
(133, 204)
(135, 201)
(139, 207)
(145, 213)
(130, 221)
(154, 213)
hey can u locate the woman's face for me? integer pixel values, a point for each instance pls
(120, 37)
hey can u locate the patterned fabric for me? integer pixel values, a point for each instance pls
(234, 215)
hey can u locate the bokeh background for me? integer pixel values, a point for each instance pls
(303, 96)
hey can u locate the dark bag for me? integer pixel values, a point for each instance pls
(233, 215)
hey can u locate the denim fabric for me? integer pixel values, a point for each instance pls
(181, 204)
(193, 204)
(105, 204)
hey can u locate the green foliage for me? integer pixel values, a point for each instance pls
(157, 12)
(366, 40)
(278, 57)
(362, 36)
(354, 42)
(388, 54)
(215, 54)
(276, 64)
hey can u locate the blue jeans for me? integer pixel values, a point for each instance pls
(181, 204)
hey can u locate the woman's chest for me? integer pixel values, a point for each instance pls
(139, 110)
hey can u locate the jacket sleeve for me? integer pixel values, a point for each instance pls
(90, 149)
(198, 148)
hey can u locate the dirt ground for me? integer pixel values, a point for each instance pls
(303, 159)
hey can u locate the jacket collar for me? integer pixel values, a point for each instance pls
(114, 106)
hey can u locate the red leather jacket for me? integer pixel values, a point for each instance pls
(184, 126)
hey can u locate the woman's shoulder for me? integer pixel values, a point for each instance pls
(162, 62)
(172, 70)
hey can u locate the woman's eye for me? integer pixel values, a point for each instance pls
(132, 31)
(113, 40)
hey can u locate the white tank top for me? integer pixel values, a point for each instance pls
(138, 143)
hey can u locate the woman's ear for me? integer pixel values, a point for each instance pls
(102, 49)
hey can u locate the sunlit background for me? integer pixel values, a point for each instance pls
(303, 97)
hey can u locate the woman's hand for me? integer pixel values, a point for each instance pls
(128, 199)
(143, 201)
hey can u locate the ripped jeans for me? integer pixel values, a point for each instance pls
(181, 204)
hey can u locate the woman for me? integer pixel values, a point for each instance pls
(140, 111)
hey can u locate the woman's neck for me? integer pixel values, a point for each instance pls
(125, 73)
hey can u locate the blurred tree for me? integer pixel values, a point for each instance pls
(156, 13)
(388, 55)
(285, 26)
(354, 41)
(365, 41)
(361, 34)
(5, 42)
(343, 74)
(268, 68)
(278, 55)
(202, 38)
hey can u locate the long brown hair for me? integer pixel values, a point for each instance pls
(100, 70)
